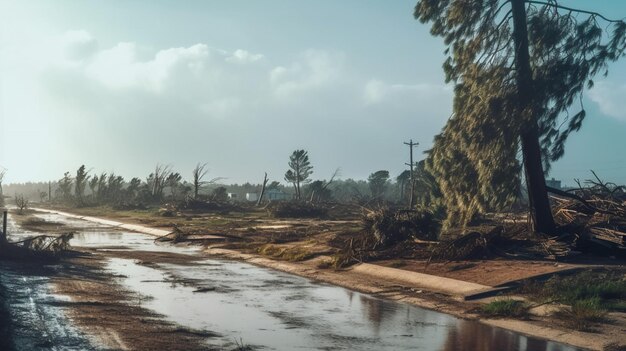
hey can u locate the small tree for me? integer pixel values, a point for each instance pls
(65, 186)
(79, 183)
(21, 202)
(300, 170)
(377, 182)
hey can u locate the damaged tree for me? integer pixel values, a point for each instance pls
(516, 74)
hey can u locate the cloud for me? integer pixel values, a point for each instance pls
(314, 69)
(378, 92)
(237, 110)
(78, 44)
(243, 56)
(610, 98)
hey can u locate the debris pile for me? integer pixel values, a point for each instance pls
(388, 227)
(595, 213)
(297, 209)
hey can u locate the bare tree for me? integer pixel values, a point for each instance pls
(198, 175)
(156, 180)
(21, 202)
(265, 180)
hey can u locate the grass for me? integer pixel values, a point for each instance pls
(589, 296)
(292, 254)
(583, 314)
(505, 308)
(608, 289)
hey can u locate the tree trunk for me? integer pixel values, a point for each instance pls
(262, 190)
(540, 211)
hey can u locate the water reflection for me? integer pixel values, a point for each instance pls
(278, 311)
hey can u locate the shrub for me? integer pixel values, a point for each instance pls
(505, 308)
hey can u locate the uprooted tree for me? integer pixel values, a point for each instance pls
(518, 67)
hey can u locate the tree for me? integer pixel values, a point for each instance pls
(517, 73)
(198, 175)
(156, 181)
(402, 179)
(93, 185)
(377, 182)
(21, 202)
(79, 183)
(173, 182)
(2, 173)
(65, 186)
(300, 170)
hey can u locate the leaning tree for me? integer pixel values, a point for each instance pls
(520, 68)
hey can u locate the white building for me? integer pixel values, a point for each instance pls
(252, 197)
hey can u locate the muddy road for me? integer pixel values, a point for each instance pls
(121, 290)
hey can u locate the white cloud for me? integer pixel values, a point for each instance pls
(120, 67)
(220, 106)
(314, 69)
(78, 44)
(377, 92)
(243, 56)
(610, 98)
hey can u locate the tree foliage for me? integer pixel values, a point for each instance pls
(300, 169)
(377, 182)
(475, 158)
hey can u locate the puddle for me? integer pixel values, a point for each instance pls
(277, 311)
(37, 320)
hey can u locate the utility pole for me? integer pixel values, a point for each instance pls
(411, 144)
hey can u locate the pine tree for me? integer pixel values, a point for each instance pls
(518, 67)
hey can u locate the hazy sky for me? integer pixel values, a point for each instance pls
(123, 85)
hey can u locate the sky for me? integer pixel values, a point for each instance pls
(123, 85)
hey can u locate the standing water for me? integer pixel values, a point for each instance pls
(271, 310)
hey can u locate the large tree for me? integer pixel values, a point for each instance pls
(518, 67)
(299, 170)
(377, 182)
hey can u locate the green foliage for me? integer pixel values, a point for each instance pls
(299, 170)
(583, 314)
(80, 182)
(505, 308)
(377, 182)
(219, 194)
(387, 227)
(475, 158)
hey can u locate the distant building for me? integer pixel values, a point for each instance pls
(553, 183)
(233, 196)
(276, 195)
(252, 196)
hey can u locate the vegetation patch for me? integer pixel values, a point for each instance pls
(287, 253)
(607, 288)
(506, 308)
(297, 209)
(583, 314)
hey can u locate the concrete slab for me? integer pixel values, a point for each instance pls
(420, 280)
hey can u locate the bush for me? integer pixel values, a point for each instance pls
(506, 308)
(295, 209)
(583, 314)
(389, 227)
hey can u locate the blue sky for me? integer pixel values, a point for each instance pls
(123, 85)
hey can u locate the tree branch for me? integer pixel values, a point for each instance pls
(556, 5)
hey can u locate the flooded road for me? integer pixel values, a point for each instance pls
(270, 310)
